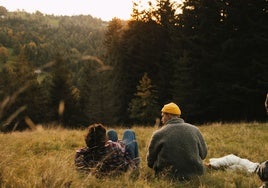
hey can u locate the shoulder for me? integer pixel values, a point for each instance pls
(191, 126)
(159, 132)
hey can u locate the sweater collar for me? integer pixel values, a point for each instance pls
(175, 120)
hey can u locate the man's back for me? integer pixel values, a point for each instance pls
(178, 145)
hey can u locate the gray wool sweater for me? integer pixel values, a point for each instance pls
(178, 145)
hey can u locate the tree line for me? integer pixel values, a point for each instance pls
(209, 58)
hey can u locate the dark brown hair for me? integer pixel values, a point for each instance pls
(96, 136)
(262, 171)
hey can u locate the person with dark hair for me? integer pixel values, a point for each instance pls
(262, 172)
(101, 156)
(178, 148)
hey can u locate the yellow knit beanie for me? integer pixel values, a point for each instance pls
(171, 108)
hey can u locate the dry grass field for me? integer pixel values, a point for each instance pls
(45, 158)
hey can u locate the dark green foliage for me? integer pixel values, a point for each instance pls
(46, 100)
(147, 45)
(91, 101)
(3, 54)
(116, 104)
(143, 108)
(225, 47)
(37, 39)
(63, 93)
(20, 96)
(211, 60)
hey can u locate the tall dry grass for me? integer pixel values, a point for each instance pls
(44, 158)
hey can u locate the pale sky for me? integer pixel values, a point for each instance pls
(104, 9)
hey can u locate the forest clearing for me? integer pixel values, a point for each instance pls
(62, 73)
(45, 157)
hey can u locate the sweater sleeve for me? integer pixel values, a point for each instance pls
(202, 146)
(153, 150)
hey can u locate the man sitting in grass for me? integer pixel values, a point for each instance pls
(178, 148)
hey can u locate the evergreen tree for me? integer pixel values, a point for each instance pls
(46, 110)
(115, 105)
(96, 100)
(148, 46)
(64, 96)
(20, 96)
(221, 49)
(144, 108)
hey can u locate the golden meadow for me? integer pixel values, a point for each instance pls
(44, 158)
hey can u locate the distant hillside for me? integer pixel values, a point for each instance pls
(40, 37)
